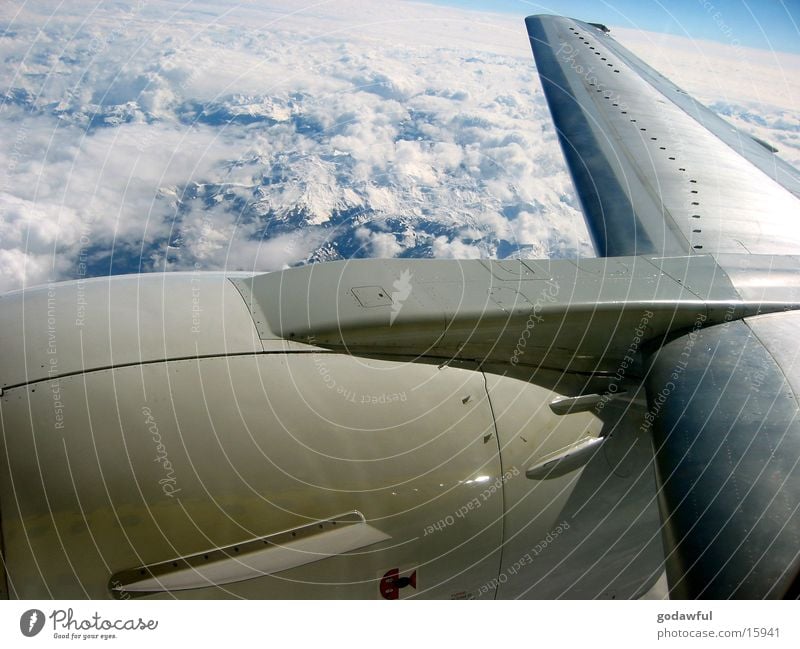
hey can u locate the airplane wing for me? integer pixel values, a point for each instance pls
(659, 174)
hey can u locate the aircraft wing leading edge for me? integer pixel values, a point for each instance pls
(659, 174)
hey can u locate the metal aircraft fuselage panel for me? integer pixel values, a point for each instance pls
(588, 534)
(151, 461)
(170, 459)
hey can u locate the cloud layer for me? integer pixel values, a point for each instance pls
(150, 136)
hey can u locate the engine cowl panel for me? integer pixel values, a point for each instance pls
(138, 455)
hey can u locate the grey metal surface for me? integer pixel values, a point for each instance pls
(260, 442)
(536, 313)
(473, 309)
(261, 374)
(780, 335)
(591, 534)
(753, 149)
(256, 445)
(4, 594)
(580, 403)
(727, 439)
(67, 327)
(656, 172)
(763, 278)
(566, 461)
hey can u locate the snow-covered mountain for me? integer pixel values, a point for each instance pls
(159, 135)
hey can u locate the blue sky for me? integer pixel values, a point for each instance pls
(763, 24)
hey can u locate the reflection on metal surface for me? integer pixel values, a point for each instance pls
(568, 460)
(727, 439)
(581, 403)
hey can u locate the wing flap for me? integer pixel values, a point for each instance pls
(251, 559)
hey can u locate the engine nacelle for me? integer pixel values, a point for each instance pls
(156, 443)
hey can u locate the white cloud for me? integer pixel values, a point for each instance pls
(260, 136)
(444, 248)
(381, 245)
(33, 237)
